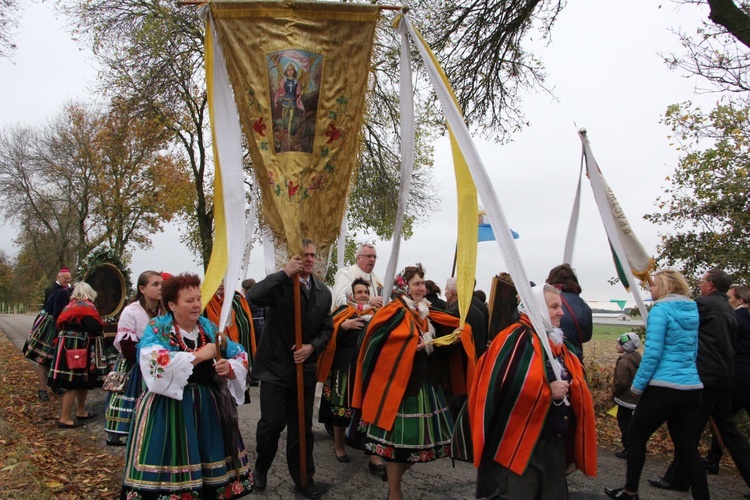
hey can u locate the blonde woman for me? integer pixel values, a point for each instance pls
(668, 383)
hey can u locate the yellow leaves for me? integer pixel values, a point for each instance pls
(54, 485)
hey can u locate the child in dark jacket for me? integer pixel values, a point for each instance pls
(625, 368)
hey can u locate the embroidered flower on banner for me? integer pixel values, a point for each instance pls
(333, 133)
(260, 127)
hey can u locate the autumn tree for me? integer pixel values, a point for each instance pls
(707, 204)
(88, 177)
(35, 202)
(140, 182)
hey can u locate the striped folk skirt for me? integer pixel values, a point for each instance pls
(104, 357)
(421, 432)
(40, 346)
(176, 450)
(121, 405)
(62, 377)
(335, 401)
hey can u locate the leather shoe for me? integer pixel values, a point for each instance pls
(342, 458)
(309, 491)
(260, 480)
(375, 468)
(664, 485)
(115, 441)
(621, 454)
(620, 494)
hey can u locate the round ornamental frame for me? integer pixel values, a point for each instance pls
(111, 288)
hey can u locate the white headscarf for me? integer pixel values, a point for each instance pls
(540, 303)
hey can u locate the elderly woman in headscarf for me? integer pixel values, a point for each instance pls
(403, 372)
(526, 425)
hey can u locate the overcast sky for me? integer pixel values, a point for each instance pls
(607, 76)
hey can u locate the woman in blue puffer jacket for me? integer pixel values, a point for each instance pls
(668, 382)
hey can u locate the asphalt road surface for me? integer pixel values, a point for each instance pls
(439, 480)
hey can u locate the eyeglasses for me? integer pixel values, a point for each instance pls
(368, 256)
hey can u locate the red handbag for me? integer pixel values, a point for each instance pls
(77, 359)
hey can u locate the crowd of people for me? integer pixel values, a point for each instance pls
(401, 379)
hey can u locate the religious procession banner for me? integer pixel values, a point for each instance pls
(299, 74)
(631, 259)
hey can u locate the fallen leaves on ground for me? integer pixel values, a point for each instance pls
(38, 460)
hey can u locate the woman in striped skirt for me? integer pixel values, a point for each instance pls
(402, 378)
(185, 441)
(336, 367)
(78, 324)
(40, 346)
(130, 327)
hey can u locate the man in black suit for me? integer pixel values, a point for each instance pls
(717, 337)
(276, 360)
(474, 317)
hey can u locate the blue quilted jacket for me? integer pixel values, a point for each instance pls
(671, 346)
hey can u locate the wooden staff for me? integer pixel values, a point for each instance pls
(300, 382)
(219, 340)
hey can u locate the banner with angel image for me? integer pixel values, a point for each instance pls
(299, 73)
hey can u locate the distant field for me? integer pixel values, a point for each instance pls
(610, 332)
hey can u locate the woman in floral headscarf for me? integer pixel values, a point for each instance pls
(403, 375)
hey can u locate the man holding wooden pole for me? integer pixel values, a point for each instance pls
(278, 359)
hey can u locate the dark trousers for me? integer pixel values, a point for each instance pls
(717, 403)
(624, 416)
(740, 401)
(278, 409)
(680, 410)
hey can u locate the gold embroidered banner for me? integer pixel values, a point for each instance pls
(299, 72)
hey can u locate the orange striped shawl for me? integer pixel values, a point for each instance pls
(325, 360)
(511, 396)
(386, 360)
(213, 310)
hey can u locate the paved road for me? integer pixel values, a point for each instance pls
(437, 480)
